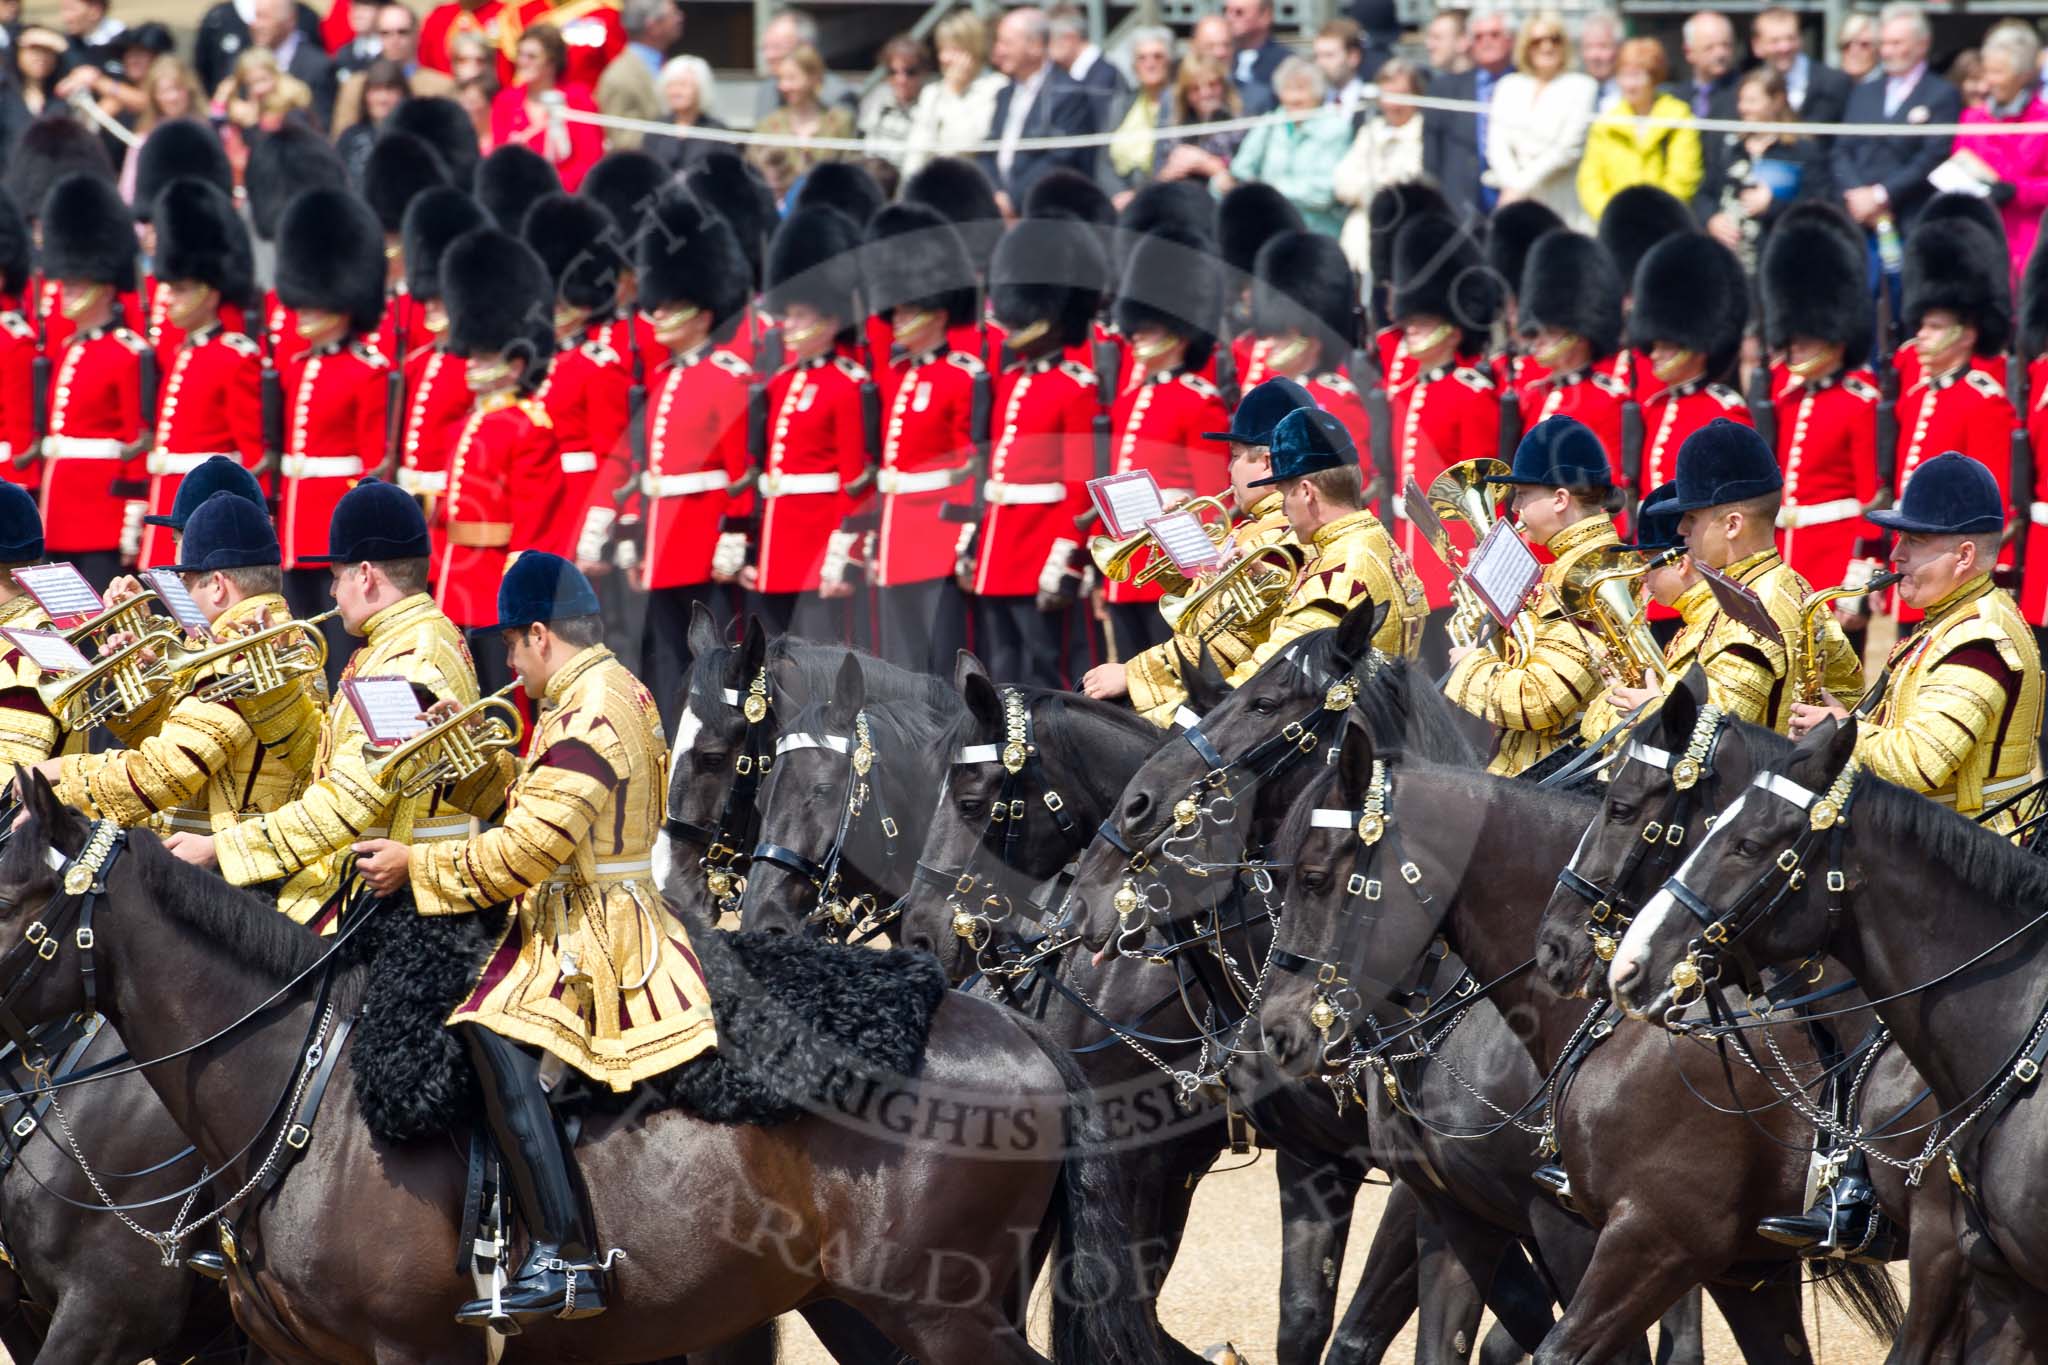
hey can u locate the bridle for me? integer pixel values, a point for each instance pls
(1611, 907)
(739, 818)
(858, 914)
(84, 882)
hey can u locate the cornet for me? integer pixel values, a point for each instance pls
(452, 749)
(250, 665)
(1243, 596)
(1113, 557)
(120, 681)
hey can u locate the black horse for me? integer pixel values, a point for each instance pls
(1815, 857)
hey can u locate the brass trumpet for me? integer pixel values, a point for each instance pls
(1813, 617)
(452, 749)
(131, 615)
(1113, 556)
(120, 681)
(252, 664)
(1600, 586)
(1243, 597)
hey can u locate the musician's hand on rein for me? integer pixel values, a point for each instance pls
(1805, 717)
(1105, 681)
(196, 849)
(385, 865)
(1627, 699)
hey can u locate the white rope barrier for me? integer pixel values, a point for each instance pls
(87, 105)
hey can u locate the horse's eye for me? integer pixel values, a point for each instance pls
(972, 807)
(1748, 848)
(821, 790)
(1312, 878)
(1621, 813)
(1264, 706)
(713, 761)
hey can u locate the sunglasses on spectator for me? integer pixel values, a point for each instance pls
(1546, 40)
(405, 32)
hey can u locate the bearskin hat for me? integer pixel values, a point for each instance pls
(1569, 283)
(54, 146)
(1251, 215)
(286, 163)
(2033, 298)
(730, 188)
(399, 167)
(1828, 214)
(1689, 290)
(1955, 264)
(1181, 206)
(1513, 229)
(179, 148)
(444, 125)
(689, 254)
(625, 185)
(1970, 208)
(88, 233)
(915, 257)
(17, 253)
(842, 185)
(199, 236)
(1814, 283)
(1302, 282)
(574, 240)
(1636, 219)
(1173, 280)
(1390, 207)
(1065, 190)
(962, 195)
(330, 257)
(499, 300)
(814, 259)
(1438, 270)
(433, 221)
(1049, 269)
(510, 179)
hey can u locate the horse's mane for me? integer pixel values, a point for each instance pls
(1072, 730)
(1971, 856)
(897, 725)
(816, 670)
(1572, 805)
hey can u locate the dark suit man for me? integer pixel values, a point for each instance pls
(1450, 143)
(222, 36)
(1082, 60)
(1880, 175)
(1040, 101)
(1709, 47)
(275, 26)
(1818, 93)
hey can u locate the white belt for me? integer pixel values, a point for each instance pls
(682, 485)
(2003, 787)
(323, 466)
(1798, 518)
(430, 830)
(783, 485)
(1000, 494)
(578, 461)
(899, 481)
(618, 869)
(183, 462)
(84, 447)
(2038, 513)
(423, 480)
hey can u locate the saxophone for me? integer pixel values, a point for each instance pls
(1809, 685)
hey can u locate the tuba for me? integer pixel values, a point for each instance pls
(1113, 556)
(1600, 587)
(1806, 670)
(1243, 598)
(452, 749)
(250, 665)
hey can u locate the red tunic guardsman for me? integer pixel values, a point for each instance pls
(19, 347)
(401, 168)
(177, 149)
(1691, 305)
(1570, 300)
(1169, 306)
(1818, 312)
(210, 402)
(94, 444)
(282, 165)
(330, 273)
(437, 397)
(1302, 314)
(2034, 588)
(504, 472)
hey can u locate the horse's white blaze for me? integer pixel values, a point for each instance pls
(665, 874)
(1629, 957)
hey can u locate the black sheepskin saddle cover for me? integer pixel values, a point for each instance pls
(796, 1020)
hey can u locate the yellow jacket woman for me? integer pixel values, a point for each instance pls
(1623, 148)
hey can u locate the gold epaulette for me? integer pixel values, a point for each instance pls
(599, 352)
(1607, 383)
(852, 369)
(1079, 373)
(17, 326)
(1983, 383)
(1861, 389)
(1726, 397)
(1479, 381)
(1198, 385)
(367, 352)
(731, 364)
(240, 344)
(962, 360)
(537, 412)
(1338, 384)
(130, 340)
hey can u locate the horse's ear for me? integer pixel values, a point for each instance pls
(1360, 626)
(703, 635)
(1680, 714)
(1824, 752)
(984, 702)
(1354, 761)
(746, 660)
(967, 664)
(39, 798)
(849, 693)
(1205, 683)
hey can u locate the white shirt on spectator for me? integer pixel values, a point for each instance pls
(1085, 63)
(1023, 94)
(1380, 154)
(1535, 136)
(1796, 81)
(942, 122)
(1896, 88)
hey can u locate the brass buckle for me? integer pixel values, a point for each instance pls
(84, 939)
(1372, 888)
(1601, 910)
(1788, 860)
(743, 765)
(1356, 885)
(1326, 974)
(25, 1125)
(1653, 831)
(2027, 1071)
(1410, 873)
(888, 827)
(47, 949)
(1837, 882)
(297, 1136)
(35, 932)
(1674, 835)
(1715, 933)
(1053, 801)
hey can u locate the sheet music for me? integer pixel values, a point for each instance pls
(60, 590)
(388, 708)
(1181, 535)
(51, 652)
(1741, 604)
(1126, 501)
(1503, 572)
(171, 589)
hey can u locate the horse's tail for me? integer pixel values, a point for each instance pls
(1868, 1294)
(1099, 1314)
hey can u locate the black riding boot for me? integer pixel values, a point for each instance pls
(557, 1279)
(1844, 1222)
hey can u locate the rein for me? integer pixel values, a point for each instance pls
(739, 818)
(846, 914)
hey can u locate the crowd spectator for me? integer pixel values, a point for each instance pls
(398, 35)
(803, 113)
(349, 33)
(1883, 176)
(887, 112)
(1379, 32)
(477, 94)
(1817, 93)
(1599, 43)
(169, 90)
(1150, 108)
(224, 32)
(2014, 165)
(38, 52)
(1536, 130)
(1297, 155)
(1211, 37)
(1255, 53)
(520, 114)
(1966, 73)
(1709, 46)
(1750, 178)
(1445, 45)
(954, 111)
(1454, 142)
(383, 88)
(273, 25)
(1622, 149)
(1386, 151)
(1072, 52)
(785, 32)
(454, 19)
(89, 34)
(689, 92)
(1202, 93)
(627, 87)
(1340, 55)
(258, 98)
(469, 55)
(1856, 46)
(1040, 101)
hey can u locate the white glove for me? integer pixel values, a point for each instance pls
(131, 529)
(838, 554)
(729, 555)
(597, 527)
(627, 556)
(1053, 577)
